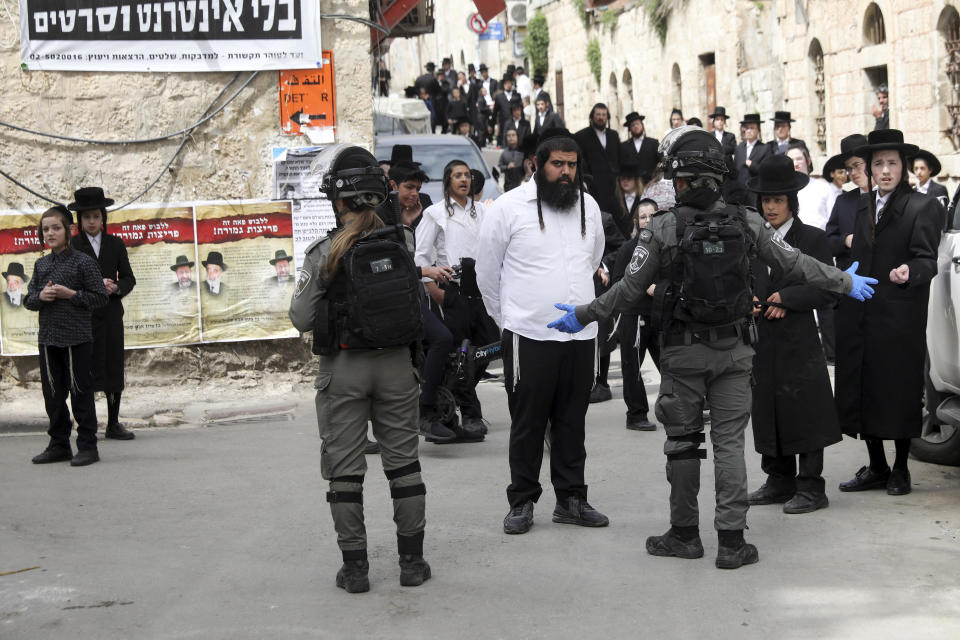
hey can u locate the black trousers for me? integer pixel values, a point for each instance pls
(466, 318)
(631, 360)
(438, 343)
(786, 474)
(67, 371)
(550, 383)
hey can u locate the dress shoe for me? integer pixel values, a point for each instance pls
(806, 502)
(520, 518)
(769, 494)
(476, 425)
(414, 570)
(578, 511)
(117, 431)
(53, 454)
(736, 557)
(371, 448)
(865, 479)
(899, 482)
(352, 576)
(600, 393)
(434, 431)
(640, 424)
(470, 431)
(669, 545)
(85, 457)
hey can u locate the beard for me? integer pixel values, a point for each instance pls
(559, 194)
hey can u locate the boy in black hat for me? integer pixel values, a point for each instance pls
(726, 139)
(925, 166)
(781, 133)
(111, 254)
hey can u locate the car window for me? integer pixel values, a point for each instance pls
(433, 158)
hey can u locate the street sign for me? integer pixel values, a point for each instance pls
(494, 31)
(476, 23)
(307, 98)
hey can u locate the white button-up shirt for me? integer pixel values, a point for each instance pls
(445, 239)
(522, 271)
(922, 188)
(638, 142)
(95, 242)
(814, 202)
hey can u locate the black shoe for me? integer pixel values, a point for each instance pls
(600, 393)
(520, 518)
(352, 576)
(117, 431)
(865, 479)
(85, 457)
(806, 502)
(768, 494)
(578, 511)
(476, 425)
(736, 557)
(414, 571)
(640, 424)
(434, 431)
(469, 431)
(669, 545)
(371, 448)
(899, 482)
(53, 454)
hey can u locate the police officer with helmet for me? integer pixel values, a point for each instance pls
(698, 256)
(359, 293)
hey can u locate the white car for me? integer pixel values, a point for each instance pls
(940, 441)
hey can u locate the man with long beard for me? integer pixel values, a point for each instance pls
(540, 243)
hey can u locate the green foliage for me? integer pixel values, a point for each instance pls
(537, 43)
(595, 58)
(609, 19)
(658, 11)
(582, 13)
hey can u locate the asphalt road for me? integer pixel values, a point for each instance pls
(223, 532)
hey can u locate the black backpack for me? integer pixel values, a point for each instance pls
(377, 302)
(712, 274)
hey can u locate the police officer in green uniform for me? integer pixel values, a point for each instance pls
(359, 292)
(698, 257)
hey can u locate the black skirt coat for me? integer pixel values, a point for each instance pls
(793, 410)
(108, 321)
(881, 343)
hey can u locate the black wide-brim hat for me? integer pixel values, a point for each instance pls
(15, 269)
(848, 146)
(629, 169)
(529, 145)
(777, 177)
(463, 119)
(181, 261)
(633, 116)
(885, 140)
(280, 256)
(751, 118)
(927, 157)
(214, 257)
(719, 112)
(402, 153)
(781, 116)
(88, 198)
(831, 165)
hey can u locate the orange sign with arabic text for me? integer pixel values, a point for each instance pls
(308, 98)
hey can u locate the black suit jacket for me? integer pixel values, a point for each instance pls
(840, 225)
(501, 106)
(602, 164)
(737, 192)
(646, 158)
(775, 148)
(523, 129)
(551, 120)
(728, 142)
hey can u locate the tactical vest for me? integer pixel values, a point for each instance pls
(711, 273)
(374, 299)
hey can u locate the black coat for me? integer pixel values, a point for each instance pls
(602, 164)
(501, 107)
(728, 142)
(840, 225)
(939, 192)
(646, 158)
(775, 148)
(793, 408)
(522, 129)
(881, 343)
(738, 192)
(456, 109)
(108, 320)
(551, 120)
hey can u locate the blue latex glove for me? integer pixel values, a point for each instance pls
(568, 323)
(861, 289)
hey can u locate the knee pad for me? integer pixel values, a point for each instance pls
(685, 447)
(405, 482)
(346, 489)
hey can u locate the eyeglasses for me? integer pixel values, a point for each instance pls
(856, 166)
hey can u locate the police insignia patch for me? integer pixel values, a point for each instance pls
(645, 235)
(639, 257)
(303, 279)
(780, 242)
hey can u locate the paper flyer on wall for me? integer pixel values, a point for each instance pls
(293, 180)
(19, 250)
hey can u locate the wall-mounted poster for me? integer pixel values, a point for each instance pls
(19, 250)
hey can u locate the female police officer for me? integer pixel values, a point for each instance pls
(359, 292)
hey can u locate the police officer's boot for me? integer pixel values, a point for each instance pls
(414, 570)
(734, 551)
(677, 542)
(346, 507)
(352, 576)
(409, 506)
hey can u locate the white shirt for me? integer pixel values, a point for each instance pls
(750, 146)
(881, 202)
(629, 199)
(718, 134)
(445, 240)
(782, 232)
(815, 203)
(922, 188)
(638, 142)
(95, 242)
(602, 136)
(524, 86)
(522, 271)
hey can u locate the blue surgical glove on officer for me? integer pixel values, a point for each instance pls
(568, 323)
(861, 289)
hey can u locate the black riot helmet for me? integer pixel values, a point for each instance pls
(690, 151)
(352, 174)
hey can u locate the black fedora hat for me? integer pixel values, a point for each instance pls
(718, 112)
(633, 116)
(89, 198)
(885, 140)
(833, 164)
(402, 153)
(466, 119)
(15, 269)
(538, 79)
(751, 118)
(181, 261)
(429, 66)
(214, 257)
(279, 256)
(529, 145)
(927, 157)
(629, 169)
(847, 147)
(554, 132)
(777, 177)
(782, 116)
(483, 67)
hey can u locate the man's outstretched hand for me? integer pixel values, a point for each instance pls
(568, 323)
(861, 289)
